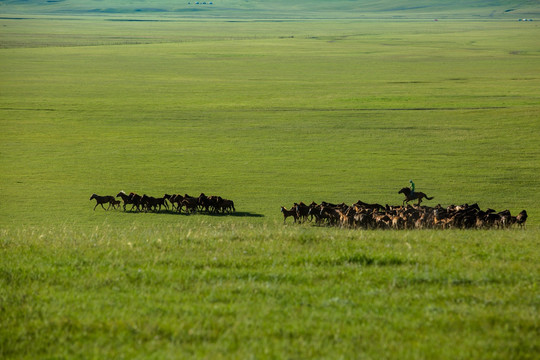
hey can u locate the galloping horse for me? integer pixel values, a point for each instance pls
(100, 200)
(127, 199)
(417, 195)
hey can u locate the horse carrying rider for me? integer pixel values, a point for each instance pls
(412, 189)
(411, 194)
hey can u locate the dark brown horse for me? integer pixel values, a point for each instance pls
(190, 203)
(135, 200)
(227, 206)
(126, 198)
(287, 213)
(302, 211)
(100, 200)
(417, 195)
(521, 218)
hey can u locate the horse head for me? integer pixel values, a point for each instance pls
(405, 191)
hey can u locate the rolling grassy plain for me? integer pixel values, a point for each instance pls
(265, 113)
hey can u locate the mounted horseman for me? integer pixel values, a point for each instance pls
(411, 194)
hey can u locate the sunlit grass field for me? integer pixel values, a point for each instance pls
(248, 291)
(266, 114)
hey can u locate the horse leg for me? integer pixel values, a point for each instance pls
(96, 206)
(102, 206)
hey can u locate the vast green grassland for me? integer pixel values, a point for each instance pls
(265, 113)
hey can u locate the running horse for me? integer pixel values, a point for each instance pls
(127, 199)
(417, 195)
(100, 200)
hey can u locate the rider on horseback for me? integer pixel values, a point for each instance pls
(410, 194)
(412, 189)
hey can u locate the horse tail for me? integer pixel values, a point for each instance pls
(430, 198)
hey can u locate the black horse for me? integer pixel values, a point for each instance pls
(417, 195)
(127, 199)
(100, 200)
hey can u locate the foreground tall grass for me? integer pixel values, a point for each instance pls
(257, 291)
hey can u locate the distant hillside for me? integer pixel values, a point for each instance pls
(282, 8)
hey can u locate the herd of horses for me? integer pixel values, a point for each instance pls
(362, 215)
(358, 215)
(179, 203)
